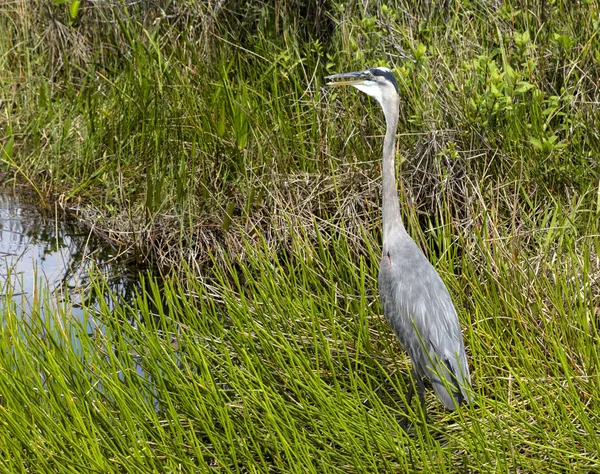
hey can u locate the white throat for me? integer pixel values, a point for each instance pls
(373, 90)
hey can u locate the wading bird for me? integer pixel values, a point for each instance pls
(414, 298)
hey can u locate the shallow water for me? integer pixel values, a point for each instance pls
(46, 255)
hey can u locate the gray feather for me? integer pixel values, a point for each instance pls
(419, 309)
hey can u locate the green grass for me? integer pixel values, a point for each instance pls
(203, 141)
(285, 365)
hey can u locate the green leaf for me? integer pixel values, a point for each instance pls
(73, 9)
(8, 148)
(43, 95)
(420, 51)
(228, 217)
(510, 74)
(523, 86)
(536, 143)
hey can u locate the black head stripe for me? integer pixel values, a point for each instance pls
(388, 75)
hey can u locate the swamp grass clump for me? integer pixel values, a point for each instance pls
(200, 138)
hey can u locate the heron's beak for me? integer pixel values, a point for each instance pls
(349, 78)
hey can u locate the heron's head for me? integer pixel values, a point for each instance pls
(378, 82)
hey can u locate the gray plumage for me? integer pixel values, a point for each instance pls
(414, 298)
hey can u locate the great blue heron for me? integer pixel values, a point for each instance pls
(414, 298)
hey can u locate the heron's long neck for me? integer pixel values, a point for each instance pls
(392, 222)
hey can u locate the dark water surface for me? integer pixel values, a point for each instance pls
(47, 255)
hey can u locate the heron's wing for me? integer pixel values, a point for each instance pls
(418, 306)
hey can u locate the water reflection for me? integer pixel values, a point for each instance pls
(43, 253)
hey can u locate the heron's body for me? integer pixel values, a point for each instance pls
(414, 298)
(418, 306)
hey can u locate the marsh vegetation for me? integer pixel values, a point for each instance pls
(198, 137)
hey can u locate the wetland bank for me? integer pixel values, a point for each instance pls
(196, 138)
(47, 253)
